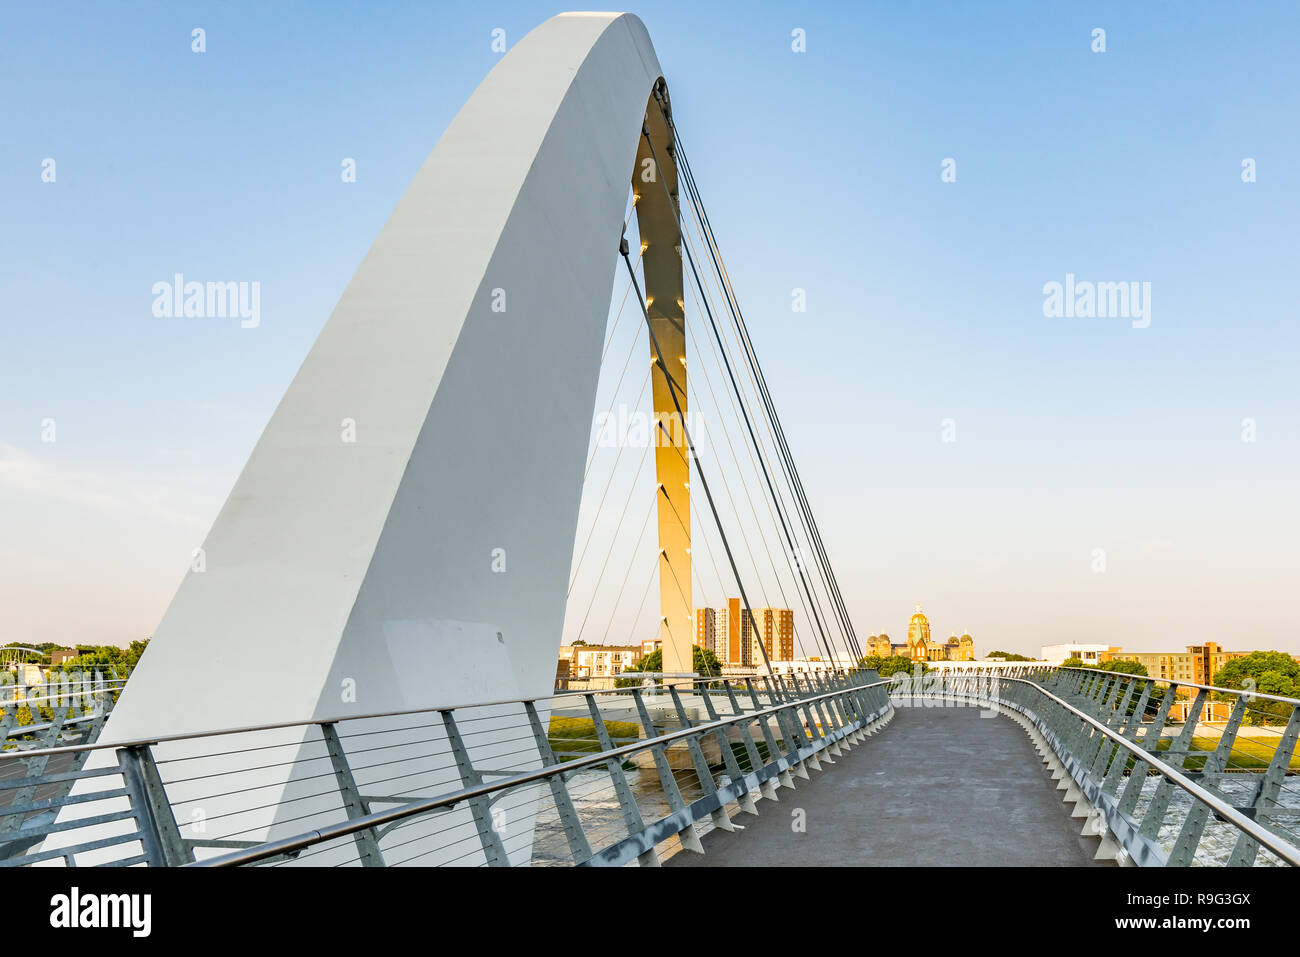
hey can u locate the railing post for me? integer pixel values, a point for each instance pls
(768, 787)
(745, 801)
(774, 694)
(1155, 811)
(1120, 709)
(1076, 739)
(1108, 747)
(1091, 740)
(764, 723)
(1093, 686)
(788, 682)
(795, 740)
(1190, 835)
(159, 835)
(1150, 740)
(841, 716)
(867, 699)
(849, 714)
(810, 712)
(480, 808)
(626, 800)
(573, 832)
(354, 805)
(702, 773)
(825, 708)
(1131, 726)
(690, 840)
(1267, 788)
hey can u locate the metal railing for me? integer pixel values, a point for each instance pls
(1155, 782)
(45, 756)
(635, 773)
(585, 778)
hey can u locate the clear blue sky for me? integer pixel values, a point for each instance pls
(821, 171)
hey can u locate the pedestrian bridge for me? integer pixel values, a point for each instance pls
(1039, 766)
(400, 555)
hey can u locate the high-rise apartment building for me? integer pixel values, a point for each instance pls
(730, 633)
(1197, 665)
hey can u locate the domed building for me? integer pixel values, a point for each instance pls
(918, 636)
(880, 646)
(921, 647)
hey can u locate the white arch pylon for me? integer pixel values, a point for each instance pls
(377, 560)
(402, 533)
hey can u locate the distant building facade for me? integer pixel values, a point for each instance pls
(920, 646)
(598, 661)
(1088, 654)
(1198, 664)
(732, 636)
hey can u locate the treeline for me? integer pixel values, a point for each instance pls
(1260, 672)
(72, 681)
(887, 665)
(121, 660)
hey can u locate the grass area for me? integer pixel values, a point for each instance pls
(572, 737)
(742, 757)
(1248, 753)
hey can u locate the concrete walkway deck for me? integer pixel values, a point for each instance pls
(936, 787)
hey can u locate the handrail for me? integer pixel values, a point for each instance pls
(1186, 684)
(20, 730)
(375, 819)
(26, 702)
(796, 709)
(1283, 849)
(281, 725)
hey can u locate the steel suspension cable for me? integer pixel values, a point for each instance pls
(726, 434)
(613, 540)
(708, 438)
(793, 475)
(827, 571)
(688, 258)
(758, 524)
(608, 484)
(686, 433)
(631, 562)
(767, 457)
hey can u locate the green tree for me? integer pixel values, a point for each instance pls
(1009, 656)
(888, 665)
(106, 661)
(1126, 668)
(1265, 672)
(703, 662)
(1123, 667)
